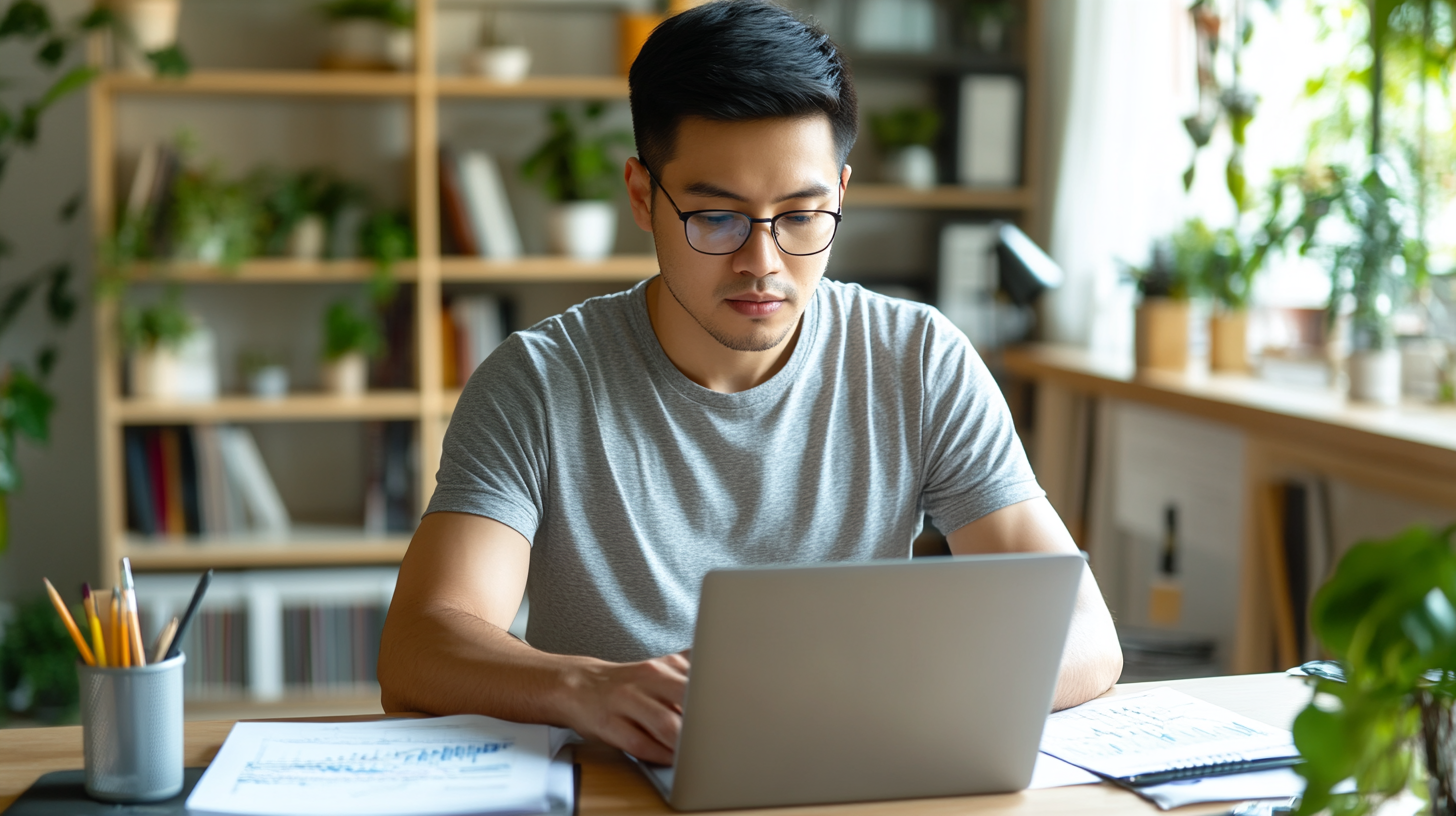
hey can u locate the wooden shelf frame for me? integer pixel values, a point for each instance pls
(429, 404)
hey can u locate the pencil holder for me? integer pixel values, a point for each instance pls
(131, 725)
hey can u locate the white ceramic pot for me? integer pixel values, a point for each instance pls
(155, 373)
(399, 48)
(151, 25)
(503, 63)
(584, 230)
(1375, 376)
(269, 382)
(358, 45)
(306, 241)
(912, 166)
(347, 376)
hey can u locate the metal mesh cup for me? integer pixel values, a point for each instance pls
(131, 724)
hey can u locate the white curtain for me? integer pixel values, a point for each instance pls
(1121, 77)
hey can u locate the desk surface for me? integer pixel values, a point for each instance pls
(610, 785)
(1412, 434)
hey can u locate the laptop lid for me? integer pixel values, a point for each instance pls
(880, 680)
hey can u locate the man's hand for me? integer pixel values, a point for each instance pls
(636, 707)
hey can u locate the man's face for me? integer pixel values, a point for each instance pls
(750, 300)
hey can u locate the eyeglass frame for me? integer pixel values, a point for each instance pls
(772, 222)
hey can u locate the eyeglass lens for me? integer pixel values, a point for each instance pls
(722, 232)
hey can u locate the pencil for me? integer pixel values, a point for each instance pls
(164, 641)
(93, 622)
(128, 595)
(118, 643)
(70, 623)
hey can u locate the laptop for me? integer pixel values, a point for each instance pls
(879, 680)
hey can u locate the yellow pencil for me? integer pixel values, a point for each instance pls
(93, 622)
(118, 643)
(70, 623)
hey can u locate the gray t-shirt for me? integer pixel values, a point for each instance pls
(632, 482)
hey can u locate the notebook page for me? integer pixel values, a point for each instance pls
(1158, 730)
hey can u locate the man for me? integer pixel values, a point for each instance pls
(734, 410)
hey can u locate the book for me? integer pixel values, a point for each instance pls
(141, 509)
(966, 289)
(982, 145)
(449, 357)
(459, 239)
(479, 329)
(491, 219)
(244, 465)
(171, 446)
(1162, 735)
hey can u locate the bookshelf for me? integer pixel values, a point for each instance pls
(428, 404)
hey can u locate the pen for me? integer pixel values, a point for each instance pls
(134, 624)
(70, 623)
(1224, 769)
(118, 643)
(176, 647)
(93, 622)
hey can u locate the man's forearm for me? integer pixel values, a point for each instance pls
(1092, 659)
(443, 660)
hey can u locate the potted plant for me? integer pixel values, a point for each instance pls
(1216, 260)
(906, 136)
(987, 22)
(297, 210)
(1162, 323)
(577, 173)
(153, 337)
(38, 665)
(350, 338)
(1388, 616)
(495, 57)
(369, 35)
(265, 373)
(214, 220)
(148, 36)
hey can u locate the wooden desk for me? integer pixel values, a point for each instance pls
(1409, 451)
(611, 785)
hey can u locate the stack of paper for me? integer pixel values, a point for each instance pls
(466, 764)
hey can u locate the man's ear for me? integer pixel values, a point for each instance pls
(844, 178)
(639, 193)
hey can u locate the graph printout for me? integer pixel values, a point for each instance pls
(1158, 730)
(465, 764)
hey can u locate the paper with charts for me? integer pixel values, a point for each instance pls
(465, 764)
(1158, 730)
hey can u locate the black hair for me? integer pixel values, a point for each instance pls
(738, 61)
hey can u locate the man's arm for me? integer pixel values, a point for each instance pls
(446, 650)
(1092, 661)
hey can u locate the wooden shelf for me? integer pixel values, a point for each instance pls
(945, 197)
(540, 87)
(345, 548)
(295, 407)
(548, 269)
(266, 83)
(269, 270)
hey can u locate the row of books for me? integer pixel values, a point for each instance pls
(216, 646)
(390, 483)
(472, 326)
(330, 646)
(477, 216)
(199, 480)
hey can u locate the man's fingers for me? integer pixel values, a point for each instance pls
(630, 737)
(659, 721)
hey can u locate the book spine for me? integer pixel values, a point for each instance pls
(142, 509)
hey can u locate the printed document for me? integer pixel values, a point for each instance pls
(441, 766)
(1158, 730)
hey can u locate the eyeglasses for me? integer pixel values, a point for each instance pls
(724, 232)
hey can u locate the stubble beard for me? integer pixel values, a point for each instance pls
(753, 342)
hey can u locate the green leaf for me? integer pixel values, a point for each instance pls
(9, 468)
(51, 54)
(14, 301)
(170, 61)
(45, 360)
(97, 18)
(60, 301)
(26, 19)
(26, 406)
(71, 81)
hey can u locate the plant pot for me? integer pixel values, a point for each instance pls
(1228, 334)
(151, 25)
(1375, 376)
(348, 376)
(1162, 334)
(584, 230)
(306, 241)
(269, 382)
(155, 374)
(1438, 749)
(912, 166)
(365, 45)
(502, 63)
(634, 30)
(399, 48)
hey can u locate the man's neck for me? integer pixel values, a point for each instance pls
(704, 360)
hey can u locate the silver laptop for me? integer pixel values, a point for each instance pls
(881, 680)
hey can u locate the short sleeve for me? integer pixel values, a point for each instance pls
(494, 460)
(974, 461)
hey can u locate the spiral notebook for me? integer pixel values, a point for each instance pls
(1162, 735)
